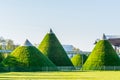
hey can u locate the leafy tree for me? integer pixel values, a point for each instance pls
(10, 45)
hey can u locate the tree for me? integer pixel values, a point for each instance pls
(10, 44)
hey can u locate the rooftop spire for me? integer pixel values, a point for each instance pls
(51, 31)
(27, 43)
(104, 37)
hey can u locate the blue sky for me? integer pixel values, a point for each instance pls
(75, 22)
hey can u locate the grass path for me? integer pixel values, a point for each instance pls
(94, 75)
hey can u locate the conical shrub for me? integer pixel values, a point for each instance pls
(51, 47)
(28, 58)
(103, 55)
(78, 59)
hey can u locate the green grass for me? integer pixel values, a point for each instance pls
(93, 75)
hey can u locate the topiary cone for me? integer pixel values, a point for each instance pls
(103, 55)
(78, 59)
(28, 58)
(51, 47)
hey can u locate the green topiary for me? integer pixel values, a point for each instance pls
(78, 59)
(51, 47)
(1, 57)
(102, 55)
(28, 58)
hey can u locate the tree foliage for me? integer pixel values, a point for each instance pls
(7, 44)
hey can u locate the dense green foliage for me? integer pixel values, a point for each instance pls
(78, 59)
(1, 57)
(28, 58)
(102, 55)
(51, 47)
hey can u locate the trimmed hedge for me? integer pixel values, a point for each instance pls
(28, 58)
(51, 47)
(102, 55)
(77, 59)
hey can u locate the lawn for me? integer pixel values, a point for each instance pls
(92, 75)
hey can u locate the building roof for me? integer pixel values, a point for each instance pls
(68, 47)
(27, 43)
(114, 39)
